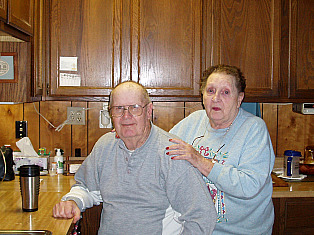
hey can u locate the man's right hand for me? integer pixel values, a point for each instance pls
(67, 210)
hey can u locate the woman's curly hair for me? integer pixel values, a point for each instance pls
(240, 81)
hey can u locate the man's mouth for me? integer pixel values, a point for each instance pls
(128, 125)
(216, 108)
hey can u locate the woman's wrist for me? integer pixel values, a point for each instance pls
(206, 166)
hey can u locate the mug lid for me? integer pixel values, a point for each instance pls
(292, 153)
(29, 170)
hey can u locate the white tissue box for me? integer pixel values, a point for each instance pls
(24, 160)
(73, 168)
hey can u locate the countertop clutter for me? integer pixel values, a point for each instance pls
(302, 188)
(52, 188)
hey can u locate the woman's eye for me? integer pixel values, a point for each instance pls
(210, 90)
(226, 92)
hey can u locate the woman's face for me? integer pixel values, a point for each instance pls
(221, 99)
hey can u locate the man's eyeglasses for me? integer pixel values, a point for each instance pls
(118, 111)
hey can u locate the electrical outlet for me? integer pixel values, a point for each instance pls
(20, 129)
(76, 115)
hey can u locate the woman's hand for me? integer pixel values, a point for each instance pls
(184, 151)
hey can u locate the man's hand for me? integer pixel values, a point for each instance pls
(67, 210)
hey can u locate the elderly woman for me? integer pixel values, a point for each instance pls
(233, 151)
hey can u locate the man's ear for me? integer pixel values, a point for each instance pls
(240, 99)
(150, 110)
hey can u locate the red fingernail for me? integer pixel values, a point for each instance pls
(170, 139)
(172, 157)
(167, 153)
(167, 148)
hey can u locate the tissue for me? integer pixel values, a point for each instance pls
(28, 156)
(26, 147)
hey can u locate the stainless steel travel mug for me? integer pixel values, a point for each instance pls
(29, 185)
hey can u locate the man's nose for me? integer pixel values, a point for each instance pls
(126, 113)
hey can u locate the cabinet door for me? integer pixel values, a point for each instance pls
(3, 10)
(87, 32)
(166, 46)
(245, 34)
(302, 50)
(40, 46)
(157, 43)
(21, 15)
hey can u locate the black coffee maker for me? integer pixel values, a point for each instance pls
(6, 163)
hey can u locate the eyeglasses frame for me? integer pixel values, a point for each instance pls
(126, 107)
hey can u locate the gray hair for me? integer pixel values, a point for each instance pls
(240, 81)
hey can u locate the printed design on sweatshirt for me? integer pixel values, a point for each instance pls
(217, 195)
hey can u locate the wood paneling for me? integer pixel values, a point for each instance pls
(288, 130)
(190, 107)
(295, 131)
(94, 132)
(20, 91)
(32, 118)
(167, 114)
(79, 133)
(269, 115)
(56, 113)
(9, 114)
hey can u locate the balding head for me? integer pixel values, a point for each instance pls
(131, 87)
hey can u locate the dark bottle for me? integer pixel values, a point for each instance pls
(6, 163)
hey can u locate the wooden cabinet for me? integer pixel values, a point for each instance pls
(293, 216)
(90, 32)
(18, 13)
(300, 62)
(90, 221)
(157, 43)
(40, 47)
(3, 10)
(245, 34)
(21, 15)
(16, 28)
(270, 40)
(165, 45)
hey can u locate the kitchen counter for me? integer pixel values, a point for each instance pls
(293, 201)
(303, 188)
(52, 188)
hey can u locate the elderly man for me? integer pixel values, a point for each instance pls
(136, 181)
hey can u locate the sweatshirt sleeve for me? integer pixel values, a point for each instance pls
(85, 192)
(189, 196)
(252, 162)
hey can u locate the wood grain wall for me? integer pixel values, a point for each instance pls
(288, 130)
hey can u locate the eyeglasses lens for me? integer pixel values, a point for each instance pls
(118, 111)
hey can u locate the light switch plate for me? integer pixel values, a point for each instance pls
(20, 129)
